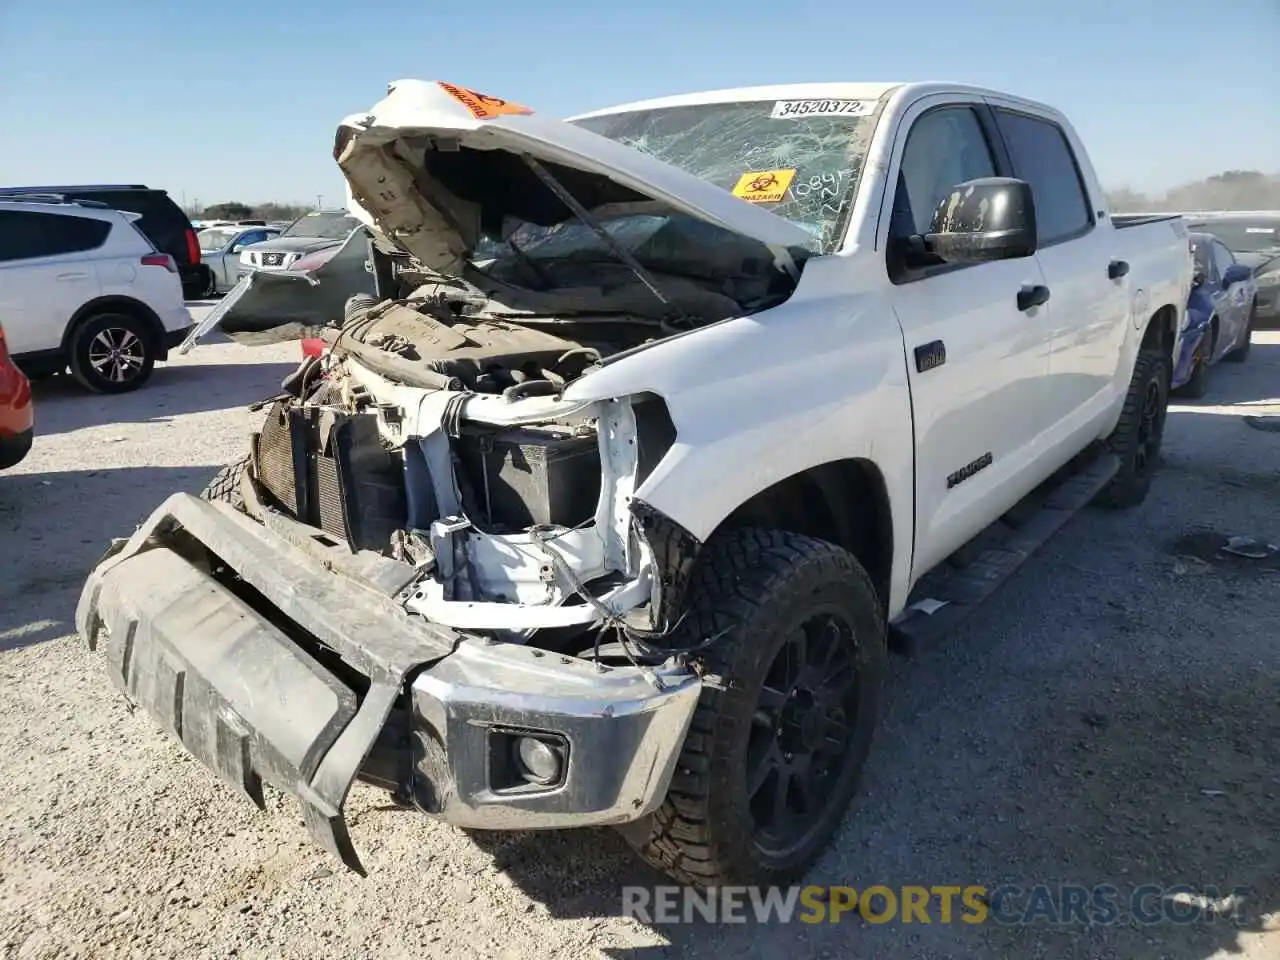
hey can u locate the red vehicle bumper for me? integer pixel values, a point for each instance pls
(17, 413)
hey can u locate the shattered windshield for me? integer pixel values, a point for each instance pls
(328, 226)
(799, 159)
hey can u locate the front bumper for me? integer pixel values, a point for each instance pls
(312, 677)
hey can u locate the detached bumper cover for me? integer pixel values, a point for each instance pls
(241, 696)
(244, 686)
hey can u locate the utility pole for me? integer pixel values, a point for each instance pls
(319, 197)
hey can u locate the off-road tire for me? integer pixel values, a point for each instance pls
(753, 588)
(1138, 458)
(225, 485)
(1241, 353)
(85, 338)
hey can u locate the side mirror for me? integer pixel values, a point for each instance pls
(237, 247)
(993, 218)
(1197, 278)
(1236, 273)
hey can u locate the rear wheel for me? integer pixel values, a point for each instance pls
(211, 284)
(777, 743)
(1241, 353)
(112, 353)
(1137, 437)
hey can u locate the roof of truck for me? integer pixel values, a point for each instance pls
(868, 90)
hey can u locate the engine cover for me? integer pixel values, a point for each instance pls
(464, 349)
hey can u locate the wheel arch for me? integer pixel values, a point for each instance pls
(116, 303)
(1161, 332)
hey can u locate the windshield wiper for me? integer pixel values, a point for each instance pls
(585, 216)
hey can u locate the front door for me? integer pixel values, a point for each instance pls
(976, 360)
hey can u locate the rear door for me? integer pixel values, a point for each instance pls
(975, 361)
(1231, 302)
(45, 274)
(1089, 305)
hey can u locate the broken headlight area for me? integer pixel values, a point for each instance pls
(514, 519)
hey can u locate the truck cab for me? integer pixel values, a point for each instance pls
(606, 507)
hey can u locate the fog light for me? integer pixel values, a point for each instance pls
(540, 762)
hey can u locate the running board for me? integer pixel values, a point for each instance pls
(945, 596)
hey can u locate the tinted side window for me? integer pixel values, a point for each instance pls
(1222, 257)
(162, 221)
(1042, 157)
(945, 147)
(24, 235)
(253, 236)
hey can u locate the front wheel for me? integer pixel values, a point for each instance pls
(225, 485)
(786, 715)
(112, 353)
(1197, 384)
(1137, 437)
(211, 285)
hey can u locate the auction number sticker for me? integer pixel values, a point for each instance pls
(794, 109)
(481, 105)
(764, 186)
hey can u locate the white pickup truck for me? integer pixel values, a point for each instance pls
(666, 423)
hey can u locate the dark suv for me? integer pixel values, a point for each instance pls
(162, 221)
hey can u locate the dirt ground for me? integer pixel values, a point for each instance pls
(1111, 717)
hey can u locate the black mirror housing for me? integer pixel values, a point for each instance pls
(993, 218)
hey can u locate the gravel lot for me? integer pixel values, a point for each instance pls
(1069, 733)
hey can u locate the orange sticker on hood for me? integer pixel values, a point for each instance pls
(481, 105)
(764, 186)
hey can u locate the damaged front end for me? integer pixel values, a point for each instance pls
(349, 619)
(437, 570)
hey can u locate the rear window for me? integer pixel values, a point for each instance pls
(25, 235)
(162, 221)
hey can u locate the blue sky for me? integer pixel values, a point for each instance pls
(239, 100)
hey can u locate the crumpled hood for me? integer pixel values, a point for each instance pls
(294, 244)
(432, 167)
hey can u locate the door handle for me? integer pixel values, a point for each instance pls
(73, 276)
(1029, 297)
(1117, 269)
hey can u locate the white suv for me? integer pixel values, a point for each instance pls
(82, 287)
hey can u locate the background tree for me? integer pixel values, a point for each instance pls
(228, 211)
(1229, 190)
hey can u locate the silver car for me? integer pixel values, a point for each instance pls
(220, 250)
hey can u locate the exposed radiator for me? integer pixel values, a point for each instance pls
(329, 470)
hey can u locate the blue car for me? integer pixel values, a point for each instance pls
(1220, 314)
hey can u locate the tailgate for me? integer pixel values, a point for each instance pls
(226, 677)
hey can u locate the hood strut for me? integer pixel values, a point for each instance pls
(556, 187)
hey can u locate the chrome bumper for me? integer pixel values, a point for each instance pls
(620, 732)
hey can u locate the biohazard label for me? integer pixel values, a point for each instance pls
(765, 186)
(795, 109)
(481, 105)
